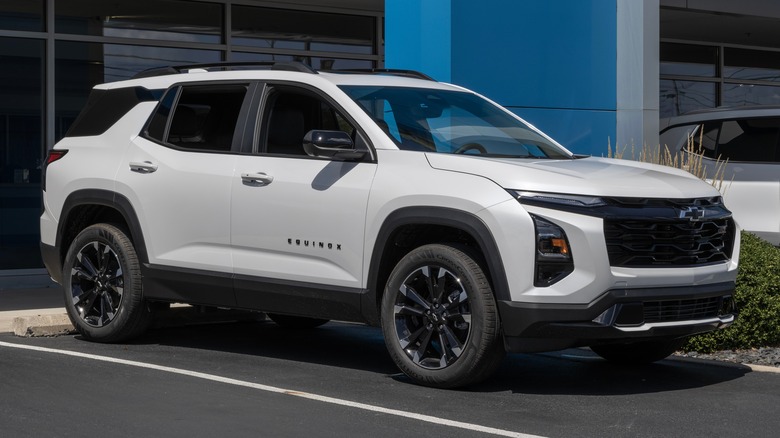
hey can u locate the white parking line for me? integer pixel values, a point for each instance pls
(267, 388)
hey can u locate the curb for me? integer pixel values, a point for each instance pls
(42, 325)
(58, 324)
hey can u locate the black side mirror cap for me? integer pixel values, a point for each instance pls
(331, 144)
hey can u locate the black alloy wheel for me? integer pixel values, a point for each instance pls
(103, 289)
(439, 318)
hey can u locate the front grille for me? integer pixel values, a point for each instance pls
(681, 310)
(657, 242)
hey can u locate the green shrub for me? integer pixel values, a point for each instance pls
(758, 302)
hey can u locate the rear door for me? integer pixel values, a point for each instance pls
(178, 175)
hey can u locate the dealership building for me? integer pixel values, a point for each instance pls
(588, 72)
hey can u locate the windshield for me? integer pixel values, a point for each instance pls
(451, 122)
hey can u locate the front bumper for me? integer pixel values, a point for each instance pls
(618, 315)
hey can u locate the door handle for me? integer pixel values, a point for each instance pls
(142, 167)
(257, 178)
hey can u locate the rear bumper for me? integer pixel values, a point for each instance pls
(51, 259)
(618, 315)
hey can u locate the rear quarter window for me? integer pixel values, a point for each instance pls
(105, 107)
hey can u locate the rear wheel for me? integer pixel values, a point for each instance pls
(638, 353)
(102, 284)
(296, 322)
(439, 318)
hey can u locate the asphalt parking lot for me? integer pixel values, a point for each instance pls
(256, 379)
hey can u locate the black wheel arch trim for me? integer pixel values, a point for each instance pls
(428, 215)
(105, 198)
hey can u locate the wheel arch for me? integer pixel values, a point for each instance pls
(87, 207)
(433, 225)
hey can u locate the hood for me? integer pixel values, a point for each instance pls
(584, 176)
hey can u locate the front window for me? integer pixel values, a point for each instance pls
(451, 122)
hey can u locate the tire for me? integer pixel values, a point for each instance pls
(439, 318)
(638, 353)
(296, 322)
(102, 284)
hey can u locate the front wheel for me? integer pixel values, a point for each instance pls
(439, 318)
(102, 284)
(638, 353)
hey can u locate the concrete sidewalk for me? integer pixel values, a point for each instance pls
(28, 293)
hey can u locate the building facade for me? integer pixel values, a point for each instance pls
(588, 72)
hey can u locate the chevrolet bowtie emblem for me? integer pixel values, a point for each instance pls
(692, 213)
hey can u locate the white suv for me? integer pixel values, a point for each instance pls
(380, 197)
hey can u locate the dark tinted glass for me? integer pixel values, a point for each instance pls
(105, 107)
(22, 15)
(688, 60)
(159, 120)
(749, 140)
(302, 30)
(205, 117)
(680, 97)
(758, 65)
(150, 19)
(21, 151)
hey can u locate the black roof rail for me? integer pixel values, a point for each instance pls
(387, 71)
(272, 65)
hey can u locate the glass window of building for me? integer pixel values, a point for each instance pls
(302, 30)
(170, 20)
(21, 151)
(22, 15)
(696, 77)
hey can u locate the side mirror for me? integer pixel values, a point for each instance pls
(331, 144)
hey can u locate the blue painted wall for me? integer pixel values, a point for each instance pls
(553, 62)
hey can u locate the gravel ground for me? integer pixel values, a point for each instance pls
(759, 356)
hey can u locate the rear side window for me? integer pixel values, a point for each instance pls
(198, 117)
(105, 107)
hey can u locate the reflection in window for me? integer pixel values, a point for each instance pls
(688, 60)
(22, 15)
(757, 65)
(749, 94)
(302, 30)
(171, 20)
(316, 63)
(680, 97)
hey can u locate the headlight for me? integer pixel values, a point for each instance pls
(553, 253)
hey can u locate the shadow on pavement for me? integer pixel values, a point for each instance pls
(350, 346)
